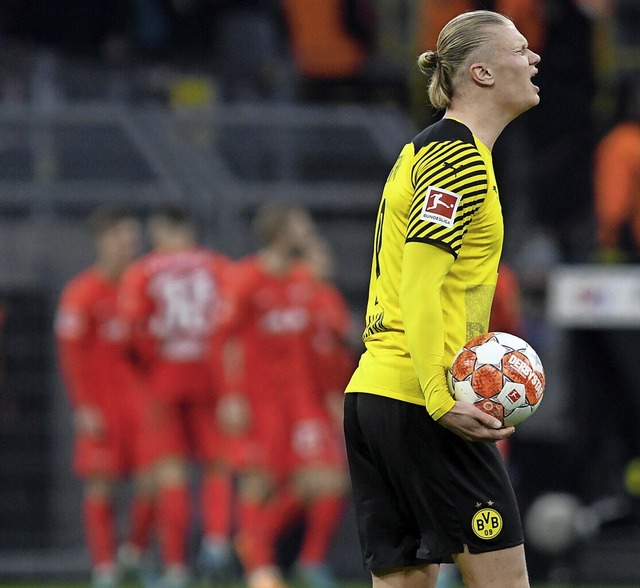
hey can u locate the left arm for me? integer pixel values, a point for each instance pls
(424, 269)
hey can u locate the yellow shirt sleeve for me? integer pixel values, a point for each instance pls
(424, 268)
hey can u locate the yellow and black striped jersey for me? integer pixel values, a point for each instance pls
(437, 245)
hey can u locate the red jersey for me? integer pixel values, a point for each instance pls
(506, 311)
(332, 362)
(90, 338)
(274, 321)
(171, 301)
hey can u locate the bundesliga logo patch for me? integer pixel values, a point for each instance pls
(440, 206)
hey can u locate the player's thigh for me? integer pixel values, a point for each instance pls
(424, 576)
(138, 444)
(505, 568)
(128, 440)
(165, 430)
(317, 460)
(201, 429)
(314, 440)
(96, 457)
(387, 528)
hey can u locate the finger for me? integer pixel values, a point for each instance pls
(491, 435)
(490, 421)
(502, 433)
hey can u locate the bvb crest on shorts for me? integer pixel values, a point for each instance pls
(487, 523)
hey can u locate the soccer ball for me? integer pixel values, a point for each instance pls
(501, 374)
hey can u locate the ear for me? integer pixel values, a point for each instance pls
(481, 74)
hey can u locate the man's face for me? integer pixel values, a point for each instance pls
(120, 244)
(299, 228)
(513, 65)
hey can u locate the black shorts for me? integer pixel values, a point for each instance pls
(421, 492)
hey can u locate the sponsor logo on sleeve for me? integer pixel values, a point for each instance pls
(440, 206)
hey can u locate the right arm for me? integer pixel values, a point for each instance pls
(233, 411)
(73, 341)
(135, 309)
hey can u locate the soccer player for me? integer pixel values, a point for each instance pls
(332, 359)
(107, 399)
(428, 481)
(172, 298)
(289, 458)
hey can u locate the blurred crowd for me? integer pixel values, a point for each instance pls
(364, 51)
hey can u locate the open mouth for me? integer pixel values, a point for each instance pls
(535, 72)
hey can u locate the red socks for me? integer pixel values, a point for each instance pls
(280, 512)
(252, 546)
(217, 502)
(260, 526)
(173, 523)
(141, 520)
(323, 516)
(100, 529)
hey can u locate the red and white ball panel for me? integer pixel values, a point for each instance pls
(501, 374)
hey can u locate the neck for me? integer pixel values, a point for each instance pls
(173, 244)
(274, 261)
(111, 269)
(485, 123)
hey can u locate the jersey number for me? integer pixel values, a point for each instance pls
(184, 303)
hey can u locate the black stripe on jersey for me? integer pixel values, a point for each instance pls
(447, 135)
(466, 210)
(443, 158)
(445, 171)
(449, 236)
(448, 158)
(375, 324)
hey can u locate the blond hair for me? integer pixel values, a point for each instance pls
(458, 40)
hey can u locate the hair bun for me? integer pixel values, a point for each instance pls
(429, 60)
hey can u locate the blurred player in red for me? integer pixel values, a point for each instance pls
(106, 397)
(332, 358)
(171, 298)
(289, 459)
(506, 312)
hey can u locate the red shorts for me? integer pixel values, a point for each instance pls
(262, 447)
(314, 442)
(185, 428)
(281, 447)
(122, 450)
